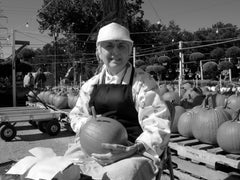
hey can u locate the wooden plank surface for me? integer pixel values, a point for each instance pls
(202, 153)
(199, 171)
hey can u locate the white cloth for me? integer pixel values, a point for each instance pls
(153, 114)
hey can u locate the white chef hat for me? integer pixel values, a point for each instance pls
(113, 31)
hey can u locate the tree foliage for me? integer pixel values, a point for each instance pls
(196, 56)
(210, 70)
(233, 52)
(217, 53)
(225, 65)
(79, 20)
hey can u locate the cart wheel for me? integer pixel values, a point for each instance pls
(33, 123)
(8, 132)
(53, 127)
(42, 126)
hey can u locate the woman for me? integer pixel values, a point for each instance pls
(137, 106)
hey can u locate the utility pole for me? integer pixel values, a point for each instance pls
(230, 71)
(134, 56)
(55, 57)
(13, 70)
(201, 69)
(181, 61)
(3, 31)
(14, 43)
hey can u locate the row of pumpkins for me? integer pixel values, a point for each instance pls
(208, 116)
(60, 98)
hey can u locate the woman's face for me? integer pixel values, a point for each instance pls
(114, 54)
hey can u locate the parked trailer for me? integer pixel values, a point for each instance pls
(46, 120)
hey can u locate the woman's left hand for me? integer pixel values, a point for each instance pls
(116, 152)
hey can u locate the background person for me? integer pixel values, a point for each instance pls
(137, 106)
(40, 78)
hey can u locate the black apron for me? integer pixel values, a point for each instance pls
(117, 99)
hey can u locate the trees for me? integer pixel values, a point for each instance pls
(79, 20)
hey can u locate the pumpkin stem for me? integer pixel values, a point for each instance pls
(205, 103)
(93, 112)
(237, 93)
(237, 116)
(225, 103)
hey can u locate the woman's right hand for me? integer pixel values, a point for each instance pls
(116, 153)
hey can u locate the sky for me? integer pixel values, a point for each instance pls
(188, 14)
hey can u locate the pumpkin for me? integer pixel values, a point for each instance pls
(41, 96)
(207, 122)
(182, 92)
(51, 98)
(192, 97)
(218, 99)
(172, 97)
(60, 101)
(101, 130)
(46, 96)
(233, 104)
(72, 98)
(228, 135)
(179, 110)
(162, 89)
(187, 86)
(32, 96)
(184, 125)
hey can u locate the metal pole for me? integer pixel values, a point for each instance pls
(55, 60)
(230, 71)
(13, 69)
(201, 69)
(180, 68)
(134, 57)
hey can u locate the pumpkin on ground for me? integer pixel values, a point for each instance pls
(228, 136)
(101, 130)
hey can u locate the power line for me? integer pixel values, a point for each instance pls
(156, 13)
(187, 48)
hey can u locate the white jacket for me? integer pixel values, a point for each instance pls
(153, 114)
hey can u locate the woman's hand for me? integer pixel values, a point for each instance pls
(116, 152)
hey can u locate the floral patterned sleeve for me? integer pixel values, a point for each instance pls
(153, 114)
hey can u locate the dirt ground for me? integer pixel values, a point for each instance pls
(29, 137)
